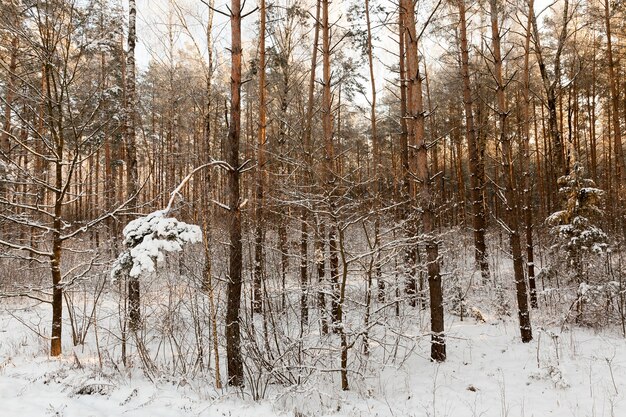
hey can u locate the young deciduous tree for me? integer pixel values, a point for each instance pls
(132, 172)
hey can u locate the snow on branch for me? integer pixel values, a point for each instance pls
(148, 238)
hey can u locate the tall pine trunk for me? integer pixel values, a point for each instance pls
(477, 169)
(308, 175)
(511, 206)
(416, 119)
(329, 162)
(260, 185)
(618, 151)
(233, 337)
(560, 163)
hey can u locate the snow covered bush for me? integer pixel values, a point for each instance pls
(502, 303)
(457, 302)
(551, 373)
(146, 240)
(598, 305)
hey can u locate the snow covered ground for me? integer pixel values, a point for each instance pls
(489, 372)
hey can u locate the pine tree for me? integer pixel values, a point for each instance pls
(577, 232)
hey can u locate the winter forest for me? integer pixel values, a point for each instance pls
(312, 208)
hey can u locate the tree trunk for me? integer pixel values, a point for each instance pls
(511, 206)
(320, 260)
(416, 119)
(343, 337)
(55, 267)
(8, 101)
(308, 178)
(329, 161)
(283, 248)
(132, 175)
(206, 194)
(376, 162)
(409, 152)
(5, 142)
(55, 112)
(233, 337)
(477, 174)
(620, 172)
(550, 87)
(259, 230)
(591, 105)
(404, 144)
(528, 202)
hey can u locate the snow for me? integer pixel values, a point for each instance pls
(556, 217)
(148, 238)
(489, 372)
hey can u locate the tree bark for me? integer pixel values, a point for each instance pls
(320, 264)
(511, 205)
(319, 245)
(376, 162)
(477, 170)
(55, 112)
(233, 337)
(411, 254)
(620, 172)
(416, 128)
(8, 101)
(528, 202)
(132, 174)
(329, 161)
(206, 194)
(550, 87)
(262, 137)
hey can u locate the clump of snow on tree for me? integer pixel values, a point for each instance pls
(148, 238)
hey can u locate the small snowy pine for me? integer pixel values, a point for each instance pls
(576, 233)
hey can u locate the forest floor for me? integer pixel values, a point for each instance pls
(489, 372)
